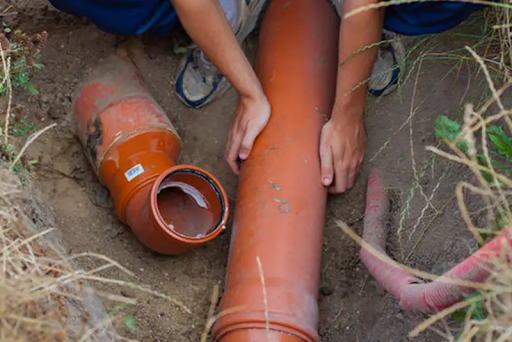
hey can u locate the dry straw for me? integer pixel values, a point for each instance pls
(36, 278)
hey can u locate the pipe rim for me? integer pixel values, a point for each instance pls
(261, 324)
(221, 195)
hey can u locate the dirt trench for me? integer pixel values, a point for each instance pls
(352, 306)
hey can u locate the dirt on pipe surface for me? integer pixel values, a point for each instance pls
(352, 306)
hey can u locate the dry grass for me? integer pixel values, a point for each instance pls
(43, 297)
(494, 321)
(33, 275)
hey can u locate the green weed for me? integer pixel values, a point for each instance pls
(23, 51)
(475, 311)
(22, 128)
(500, 151)
(128, 320)
(23, 168)
(19, 54)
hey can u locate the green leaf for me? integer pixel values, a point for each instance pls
(10, 148)
(446, 128)
(31, 89)
(482, 161)
(501, 141)
(115, 309)
(502, 167)
(498, 130)
(180, 50)
(490, 179)
(38, 65)
(459, 316)
(129, 322)
(477, 314)
(501, 220)
(7, 30)
(17, 168)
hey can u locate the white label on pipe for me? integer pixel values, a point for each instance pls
(134, 172)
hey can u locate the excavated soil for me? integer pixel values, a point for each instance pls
(353, 307)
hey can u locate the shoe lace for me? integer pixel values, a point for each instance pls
(205, 69)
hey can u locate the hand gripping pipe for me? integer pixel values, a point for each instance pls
(133, 148)
(276, 248)
(414, 295)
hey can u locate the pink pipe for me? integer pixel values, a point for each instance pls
(413, 293)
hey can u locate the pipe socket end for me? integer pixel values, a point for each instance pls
(189, 204)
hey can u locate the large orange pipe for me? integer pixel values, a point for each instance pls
(133, 147)
(280, 209)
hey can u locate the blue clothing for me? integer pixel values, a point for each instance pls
(134, 17)
(419, 18)
(124, 17)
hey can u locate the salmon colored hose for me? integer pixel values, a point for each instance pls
(133, 148)
(276, 248)
(414, 295)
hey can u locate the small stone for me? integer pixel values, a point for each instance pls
(326, 290)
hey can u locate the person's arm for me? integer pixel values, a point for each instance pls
(206, 24)
(359, 34)
(343, 137)
(208, 27)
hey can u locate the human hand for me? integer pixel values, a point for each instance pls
(250, 118)
(342, 146)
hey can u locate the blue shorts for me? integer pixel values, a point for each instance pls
(124, 17)
(419, 18)
(134, 17)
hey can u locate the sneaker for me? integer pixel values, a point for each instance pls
(389, 66)
(198, 81)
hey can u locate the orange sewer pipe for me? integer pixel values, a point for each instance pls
(133, 147)
(276, 248)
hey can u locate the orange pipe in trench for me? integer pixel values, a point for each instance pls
(133, 147)
(280, 209)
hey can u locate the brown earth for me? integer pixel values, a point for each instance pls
(353, 306)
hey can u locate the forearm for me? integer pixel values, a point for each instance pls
(355, 59)
(206, 24)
